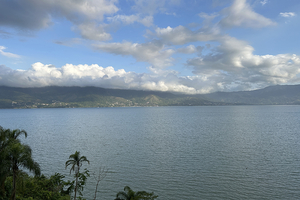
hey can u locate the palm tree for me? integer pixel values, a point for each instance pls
(14, 134)
(4, 163)
(7, 138)
(75, 160)
(129, 194)
(20, 156)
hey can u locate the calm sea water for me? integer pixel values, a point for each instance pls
(226, 152)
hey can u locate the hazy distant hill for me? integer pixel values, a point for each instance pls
(272, 95)
(11, 97)
(53, 96)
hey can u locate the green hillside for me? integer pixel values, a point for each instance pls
(50, 97)
(272, 95)
(69, 97)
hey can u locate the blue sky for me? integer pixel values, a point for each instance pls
(188, 46)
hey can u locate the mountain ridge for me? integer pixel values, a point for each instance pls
(74, 96)
(55, 96)
(271, 95)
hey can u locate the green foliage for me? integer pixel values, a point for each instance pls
(13, 155)
(39, 187)
(69, 97)
(76, 161)
(20, 156)
(16, 184)
(5, 103)
(129, 194)
(81, 181)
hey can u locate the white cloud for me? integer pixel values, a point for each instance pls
(82, 10)
(264, 2)
(182, 35)
(8, 54)
(130, 19)
(154, 6)
(69, 42)
(153, 52)
(241, 14)
(36, 14)
(287, 14)
(234, 66)
(225, 64)
(40, 75)
(207, 16)
(92, 31)
(86, 15)
(188, 50)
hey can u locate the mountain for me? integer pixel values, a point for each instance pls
(54, 96)
(45, 97)
(272, 95)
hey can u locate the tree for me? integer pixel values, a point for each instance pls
(14, 134)
(4, 163)
(101, 175)
(42, 187)
(7, 139)
(129, 194)
(20, 156)
(76, 161)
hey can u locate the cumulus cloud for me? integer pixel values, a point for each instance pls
(40, 75)
(233, 64)
(155, 52)
(224, 64)
(287, 14)
(231, 71)
(241, 14)
(8, 54)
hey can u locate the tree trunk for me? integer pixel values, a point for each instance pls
(76, 185)
(96, 189)
(15, 170)
(2, 190)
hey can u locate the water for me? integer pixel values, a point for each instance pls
(229, 152)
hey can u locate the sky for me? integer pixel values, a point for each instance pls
(186, 46)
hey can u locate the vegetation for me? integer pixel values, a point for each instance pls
(99, 177)
(129, 194)
(69, 97)
(15, 184)
(76, 161)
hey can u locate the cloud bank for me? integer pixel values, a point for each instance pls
(248, 72)
(217, 61)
